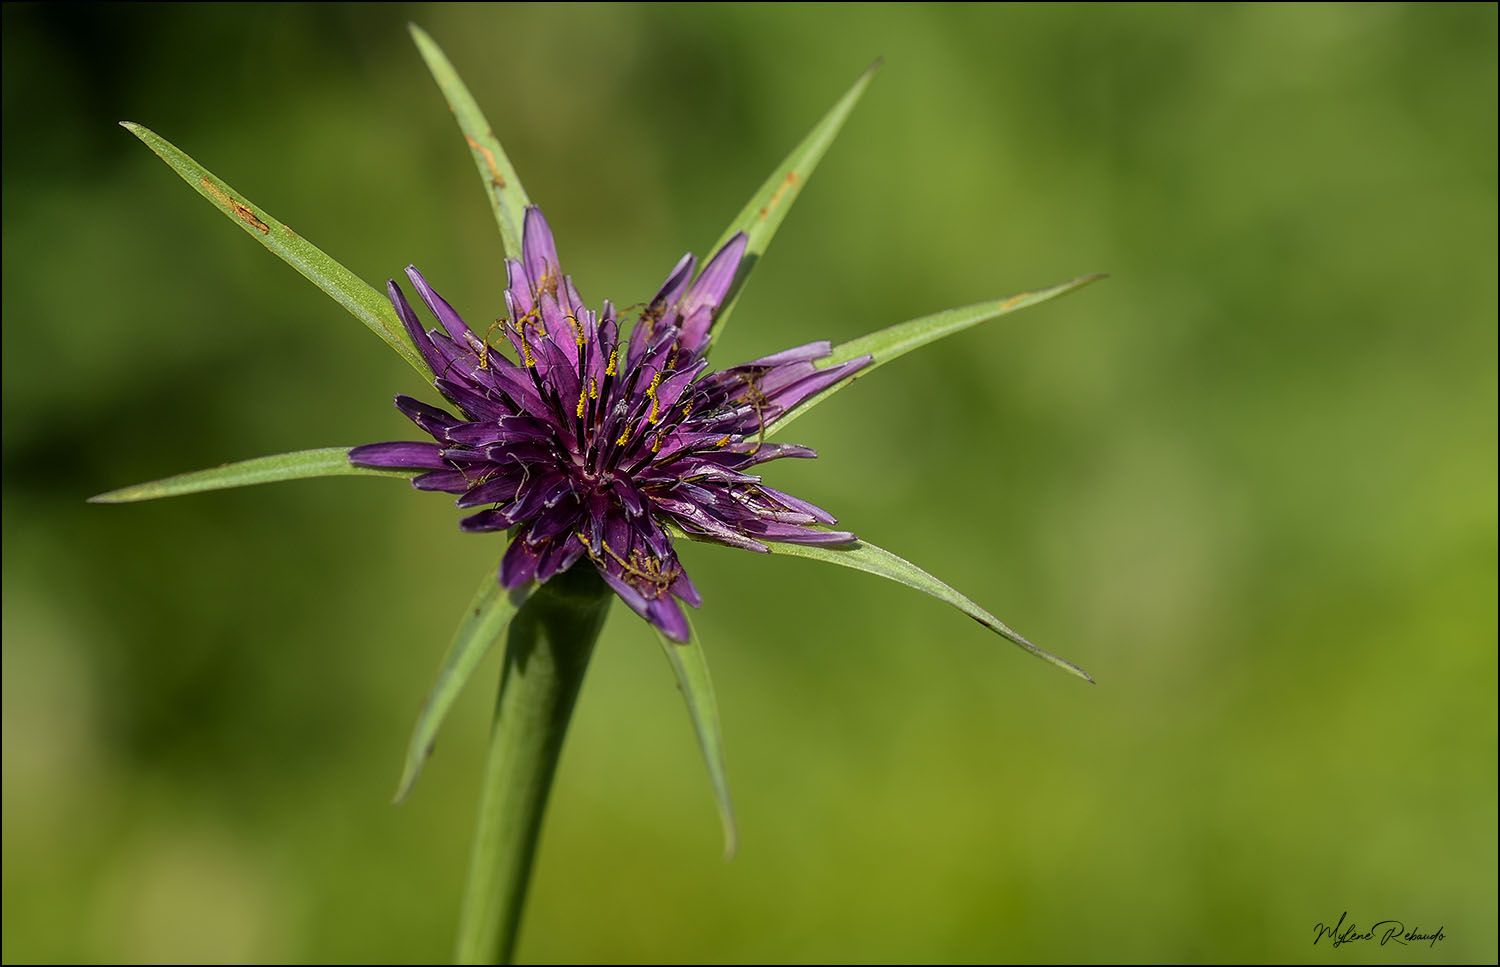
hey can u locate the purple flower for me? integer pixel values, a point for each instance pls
(587, 443)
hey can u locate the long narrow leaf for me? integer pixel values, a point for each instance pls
(898, 340)
(501, 184)
(324, 462)
(864, 556)
(691, 669)
(486, 620)
(762, 215)
(347, 289)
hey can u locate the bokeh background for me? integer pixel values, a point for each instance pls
(1249, 482)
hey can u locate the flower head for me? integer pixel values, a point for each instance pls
(588, 443)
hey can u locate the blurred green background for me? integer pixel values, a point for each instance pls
(1249, 482)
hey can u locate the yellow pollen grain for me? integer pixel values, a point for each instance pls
(583, 397)
(722, 442)
(624, 436)
(655, 403)
(613, 357)
(593, 389)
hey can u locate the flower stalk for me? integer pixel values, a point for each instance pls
(546, 654)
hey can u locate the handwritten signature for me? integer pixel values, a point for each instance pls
(1384, 931)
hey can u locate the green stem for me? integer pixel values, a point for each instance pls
(546, 654)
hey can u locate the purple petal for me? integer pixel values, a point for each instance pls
(498, 489)
(413, 325)
(793, 534)
(446, 481)
(775, 380)
(709, 290)
(561, 330)
(533, 499)
(618, 536)
(695, 519)
(699, 471)
(785, 399)
(776, 451)
(540, 252)
(506, 430)
(515, 383)
(671, 389)
(630, 498)
(474, 403)
(684, 588)
(666, 614)
(518, 297)
(799, 354)
(713, 283)
(526, 451)
(399, 456)
(677, 280)
(558, 556)
(452, 360)
(519, 563)
(801, 506)
(485, 520)
(574, 299)
(657, 542)
(555, 521)
(680, 440)
(439, 307)
(430, 418)
(595, 507)
(628, 594)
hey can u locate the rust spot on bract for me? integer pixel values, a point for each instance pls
(789, 181)
(489, 160)
(244, 214)
(248, 217)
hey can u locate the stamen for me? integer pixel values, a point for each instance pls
(758, 400)
(484, 350)
(644, 569)
(651, 394)
(519, 325)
